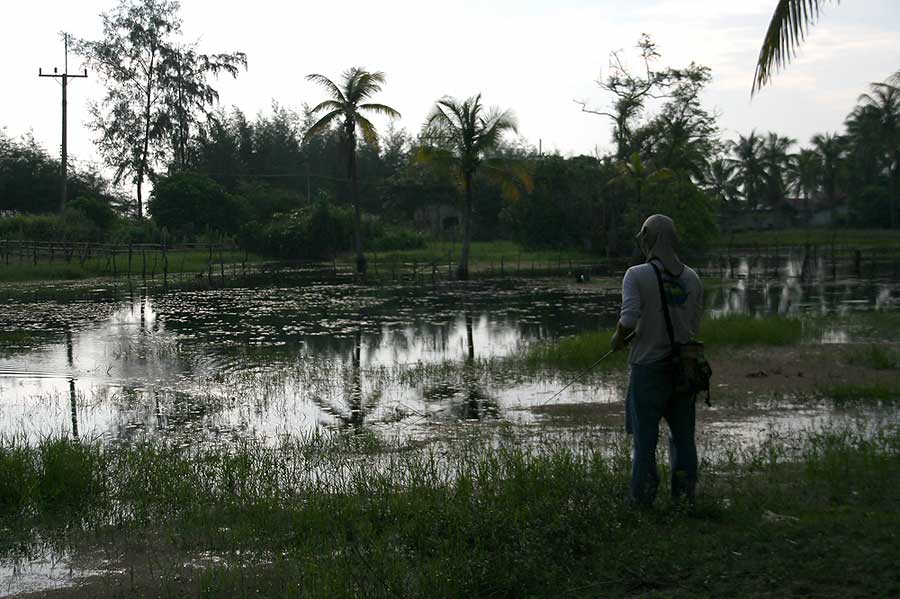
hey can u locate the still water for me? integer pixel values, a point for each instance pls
(264, 358)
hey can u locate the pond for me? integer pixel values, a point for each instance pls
(267, 356)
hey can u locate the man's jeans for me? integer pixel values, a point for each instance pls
(650, 398)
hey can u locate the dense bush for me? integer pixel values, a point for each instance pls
(188, 203)
(321, 231)
(261, 201)
(388, 239)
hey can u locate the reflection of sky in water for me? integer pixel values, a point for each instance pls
(221, 364)
(41, 569)
(227, 363)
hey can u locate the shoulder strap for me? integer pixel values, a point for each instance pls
(665, 306)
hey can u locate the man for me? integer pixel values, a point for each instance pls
(650, 387)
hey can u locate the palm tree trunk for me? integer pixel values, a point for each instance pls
(896, 188)
(361, 264)
(462, 270)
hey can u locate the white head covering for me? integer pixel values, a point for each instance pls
(657, 239)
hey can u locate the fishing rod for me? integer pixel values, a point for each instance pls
(587, 370)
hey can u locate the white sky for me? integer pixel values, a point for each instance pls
(533, 56)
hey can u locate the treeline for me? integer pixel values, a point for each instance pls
(321, 180)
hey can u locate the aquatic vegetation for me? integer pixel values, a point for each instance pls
(483, 514)
(741, 330)
(874, 356)
(863, 391)
(577, 352)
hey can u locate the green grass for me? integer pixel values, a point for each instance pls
(874, 356)
(483, 255)
(59, 269)
(483, 516)
(856, 392)
(579, 351)
(855, 238)
(742, 330)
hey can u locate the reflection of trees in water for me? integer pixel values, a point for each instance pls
(476, 403)
(357, 404)
(73, 396)
(802, 282)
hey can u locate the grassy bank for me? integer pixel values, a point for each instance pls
(855, 238)
(480, 517)
(733, 331)
(484, 255)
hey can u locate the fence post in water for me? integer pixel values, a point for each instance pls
(209, 263)
(34, 251)
(115, 270)
(221, 265)
(449, 265)
(143, 262)
(501, 266)
(165, 255)
(129, 259)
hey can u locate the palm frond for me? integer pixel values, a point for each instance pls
(787, 30)
(381, 109)
(327, 105)
(368, 129)
(328, 84)
(513, 176)
(322, 124)
(441, 160)
(360, 84)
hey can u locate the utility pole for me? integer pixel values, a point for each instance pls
(63, 163)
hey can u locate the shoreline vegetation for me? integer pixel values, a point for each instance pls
(437, 257)
(348, 516)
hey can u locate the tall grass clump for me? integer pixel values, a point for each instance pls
(741, 330)
(18, 476)
(70, 474)
(874, 356)
(842, 393)
(576, 353)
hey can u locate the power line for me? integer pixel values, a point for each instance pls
(63, 163)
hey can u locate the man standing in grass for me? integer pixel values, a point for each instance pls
(651, 393)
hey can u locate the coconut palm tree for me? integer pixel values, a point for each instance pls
(749, 167)
(775, 156)
(347, 104)
(804, 174)
(720, 182)
(459, 138)
(830, 147)
(881, 110)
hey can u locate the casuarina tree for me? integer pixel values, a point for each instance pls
(155, 87)
(347, 103)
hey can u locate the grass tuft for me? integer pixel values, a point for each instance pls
(874, 356)
(576, 353)
(741, 330)
(850, 392)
